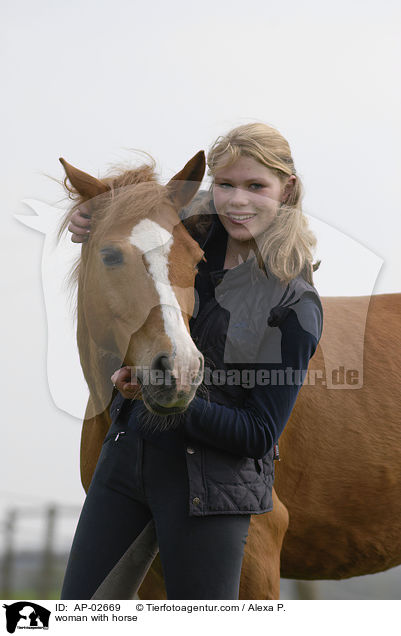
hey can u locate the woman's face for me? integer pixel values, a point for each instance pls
(247, 196)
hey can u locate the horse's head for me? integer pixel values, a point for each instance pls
(136, 280)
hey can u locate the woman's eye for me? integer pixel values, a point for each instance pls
(224, 185)
(112, 256)
(256, 186)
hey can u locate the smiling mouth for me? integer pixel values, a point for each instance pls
(239, 218)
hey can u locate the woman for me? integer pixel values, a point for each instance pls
(258, 321)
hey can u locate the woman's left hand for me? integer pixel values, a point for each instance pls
(124, 380)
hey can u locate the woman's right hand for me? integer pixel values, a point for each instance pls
(80, 223)
(124, 380)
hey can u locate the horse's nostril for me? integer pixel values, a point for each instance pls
(162, 362)
(199, 375)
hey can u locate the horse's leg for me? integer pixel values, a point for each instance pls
(153, 585)
(260, 575)
(127, 575)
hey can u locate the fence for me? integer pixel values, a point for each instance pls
(38, 569)
(36, 572)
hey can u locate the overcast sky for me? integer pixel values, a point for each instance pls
(89, 80)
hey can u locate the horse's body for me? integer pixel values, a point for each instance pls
(337, 505)
(339, 476)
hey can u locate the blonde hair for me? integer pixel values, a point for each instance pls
(286, 248)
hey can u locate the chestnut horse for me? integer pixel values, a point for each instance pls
(337, 498)
(136, 288)
(339, 478)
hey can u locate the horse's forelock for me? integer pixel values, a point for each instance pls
(129, 204)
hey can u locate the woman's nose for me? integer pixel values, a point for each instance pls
(239, 196)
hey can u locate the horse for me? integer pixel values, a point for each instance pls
(138, 249)
(337, 503)
(337, 493)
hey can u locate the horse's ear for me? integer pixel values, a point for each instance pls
(185, 184)
(87, 186)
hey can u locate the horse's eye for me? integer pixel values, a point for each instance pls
(112, 256)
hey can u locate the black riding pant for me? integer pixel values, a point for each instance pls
(135, 481)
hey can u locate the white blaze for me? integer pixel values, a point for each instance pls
(155, 243)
